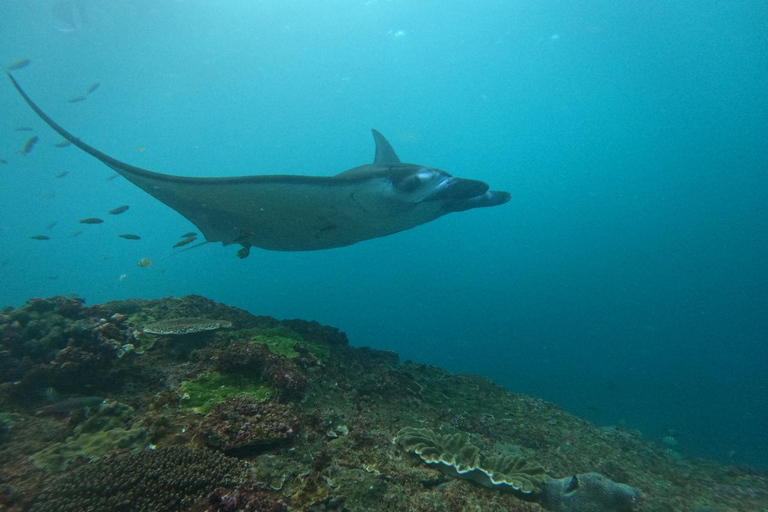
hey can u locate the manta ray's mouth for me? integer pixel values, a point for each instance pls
(458, 189)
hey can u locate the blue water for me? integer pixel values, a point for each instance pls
(626, 280)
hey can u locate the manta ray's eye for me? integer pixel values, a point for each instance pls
(410, 183)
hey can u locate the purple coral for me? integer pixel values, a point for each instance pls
(243, 424)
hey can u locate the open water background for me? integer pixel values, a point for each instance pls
(626, 280)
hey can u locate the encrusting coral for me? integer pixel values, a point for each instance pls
(242, 424)
(103, 431)
(452, 454)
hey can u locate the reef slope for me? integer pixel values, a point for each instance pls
(189, 405)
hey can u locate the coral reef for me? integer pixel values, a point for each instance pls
(285, 416)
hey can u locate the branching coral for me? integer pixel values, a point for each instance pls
(165, 479)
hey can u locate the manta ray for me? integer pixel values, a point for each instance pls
(305, 213)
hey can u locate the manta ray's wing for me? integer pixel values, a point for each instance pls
(284, 213)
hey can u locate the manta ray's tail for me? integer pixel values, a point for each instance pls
(126, 170)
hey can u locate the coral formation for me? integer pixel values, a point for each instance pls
(206, 391)
(256, 361)
(185, 325)
(590, 492)
(149, 481)
(242, 424)
(104, 431)
(452, 454)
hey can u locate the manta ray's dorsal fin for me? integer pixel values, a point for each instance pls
(385, 155)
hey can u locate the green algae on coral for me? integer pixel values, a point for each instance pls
(101, 433)
(206, 391)
(452, 454)
(285, 342)
(139, 319)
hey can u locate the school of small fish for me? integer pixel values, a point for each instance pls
(32, 141)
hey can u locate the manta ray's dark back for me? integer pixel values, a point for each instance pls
(304, 213)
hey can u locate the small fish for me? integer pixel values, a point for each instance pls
(184, 242)
(76, 99)
(189, 235)
(62, 174)
(52, 225)
(129, 236)
(75, 234)
(40, 237)
(144, 262)
(23, 129)
(141, 149)
(2, 161)
(70, 405)
(119, 210)
(113, 177)
(91, 220)
(63, 144)
(92, 88)
(19, 64)
(29, 145)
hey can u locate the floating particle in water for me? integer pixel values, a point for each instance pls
(144, 262)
